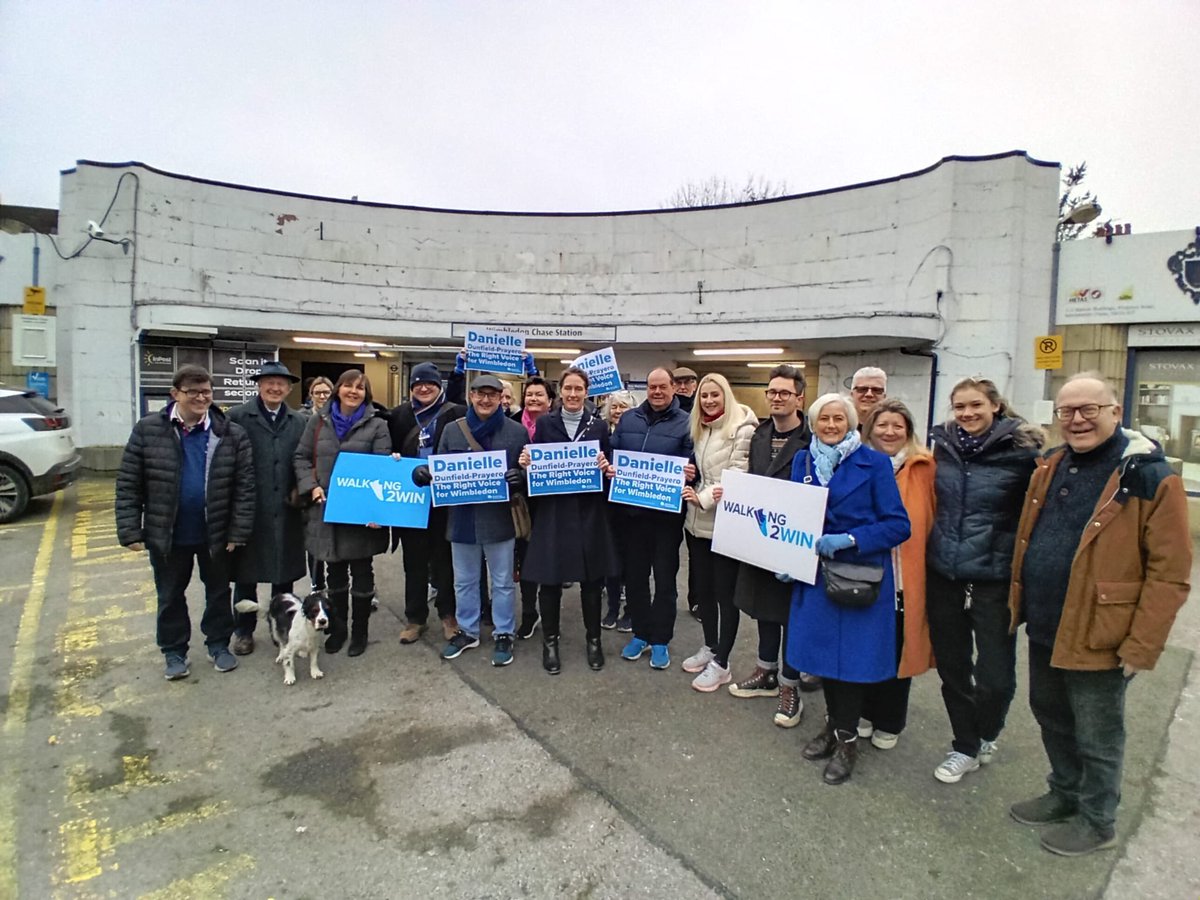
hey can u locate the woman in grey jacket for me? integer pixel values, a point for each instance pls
(985, 457)
(349, 422)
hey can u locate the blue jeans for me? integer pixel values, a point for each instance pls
(1082, 718)
(468, 569)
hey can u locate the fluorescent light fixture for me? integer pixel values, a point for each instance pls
(566, 362)
(365, 355)
(180, 329)
(335, 342)
(738, 351)
(771, 365)
(554, 351)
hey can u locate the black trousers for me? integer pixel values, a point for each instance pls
(248, 590)
(886, 703)
(772, 651)
(844, 703)
(551, 600)
(650, 545)
(976, 656)
(715, 580)
(427, 560)
(172, 574)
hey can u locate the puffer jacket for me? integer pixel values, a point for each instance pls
(979, 500)
(1130, 573)
(319, 445)
(715, 452)
(645, 431)
(147, 492)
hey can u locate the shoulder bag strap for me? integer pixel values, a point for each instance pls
(466, 430)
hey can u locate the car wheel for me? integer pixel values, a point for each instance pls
(14, 494)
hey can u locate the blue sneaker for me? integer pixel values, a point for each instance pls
(457, 644)
(502, 655)
(660, 656)
(222, 659)
(634, 649)
(177, 667)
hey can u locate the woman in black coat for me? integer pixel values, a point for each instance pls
(985, 457)
(571, 540)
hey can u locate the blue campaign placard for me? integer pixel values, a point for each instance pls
(564, 468)
(461, 478)
(495, 351)
(602, 372)
(366, 487)
(38, 382)
(648, 480)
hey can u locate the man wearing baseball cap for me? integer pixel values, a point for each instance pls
(275, 552)
(416, 427)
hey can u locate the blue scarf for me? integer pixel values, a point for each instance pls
(828, 457)
(483, 429)
(342, 424)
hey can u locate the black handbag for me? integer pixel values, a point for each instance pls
(851, 584)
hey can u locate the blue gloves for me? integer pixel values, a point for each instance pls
(829, 544)
(531, 368)
(460, 363)
(784, 577)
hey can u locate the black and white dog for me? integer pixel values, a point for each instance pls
(298, 628)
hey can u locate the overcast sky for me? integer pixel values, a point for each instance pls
(599, 105)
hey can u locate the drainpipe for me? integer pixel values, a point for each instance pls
(933, 377)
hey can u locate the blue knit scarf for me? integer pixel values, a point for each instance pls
(483, 429)
(341, 423)
(827, 457)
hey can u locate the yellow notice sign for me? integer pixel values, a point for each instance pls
(1048, 351)
(35, 301)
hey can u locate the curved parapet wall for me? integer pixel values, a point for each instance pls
(884, 264)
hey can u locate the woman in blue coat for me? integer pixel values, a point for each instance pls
(849, 648)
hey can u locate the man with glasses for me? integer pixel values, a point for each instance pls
(1101, 567)
(185, 494)
(867, 388)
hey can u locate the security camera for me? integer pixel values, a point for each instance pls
(94, 229)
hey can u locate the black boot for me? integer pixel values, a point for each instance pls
(339, 605)
(839, 769)
(822, 746)
(595, 654)
(358, 626)
(550, 661)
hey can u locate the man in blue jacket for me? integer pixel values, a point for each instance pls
(650, 539)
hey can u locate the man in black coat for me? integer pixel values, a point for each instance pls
(185, 494)
(416, 427)
(275, 554)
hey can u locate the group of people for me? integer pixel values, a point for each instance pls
(956, 537)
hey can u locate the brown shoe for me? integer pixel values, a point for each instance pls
(841, 766)
(411, 633)
(449, 627)
(822, 746)
(242, 644)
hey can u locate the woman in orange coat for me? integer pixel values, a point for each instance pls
(889, 429)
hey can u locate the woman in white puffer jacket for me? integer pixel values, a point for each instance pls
(721, 432)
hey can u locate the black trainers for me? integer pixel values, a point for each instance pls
(456, 645)
(1077, 838)
(1044, 810)
(529, 626)
(760, 683)
(502, 652)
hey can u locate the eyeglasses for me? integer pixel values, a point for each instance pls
(193, 394)
(780, 395)
(863, 389)
(321, 393)
(1089, 411)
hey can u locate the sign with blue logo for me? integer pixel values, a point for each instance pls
(648, 480)
(38, 381)
(495, 351)
(601, 367)
(461, 478)
(770, 523)
(367, 487)
(564, 468)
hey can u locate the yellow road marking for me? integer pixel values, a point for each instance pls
(20, 680)
(170, 822)
(84, 843)
(209, 883)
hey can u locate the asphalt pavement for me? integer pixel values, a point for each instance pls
(401, 775)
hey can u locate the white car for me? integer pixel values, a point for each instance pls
(37, 452)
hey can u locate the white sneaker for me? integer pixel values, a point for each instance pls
(954, 767)
(882, 740)
(712, 677)
(697, 661)
(865, 729)
(987, 750)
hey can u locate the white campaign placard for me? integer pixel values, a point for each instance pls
(770, 523)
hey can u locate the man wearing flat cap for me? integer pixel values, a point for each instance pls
(416, 427)
(684, 381)
(275, 553)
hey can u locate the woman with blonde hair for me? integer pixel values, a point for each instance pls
(721, 431)
(889, 428)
